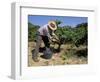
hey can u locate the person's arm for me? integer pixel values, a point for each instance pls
(55, 36)
(49, 36)
(46, 33)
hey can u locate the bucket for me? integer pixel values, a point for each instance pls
(47, 54)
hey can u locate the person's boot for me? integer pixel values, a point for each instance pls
(35, 57)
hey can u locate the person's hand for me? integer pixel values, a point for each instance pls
(51, 38)
(55, 37)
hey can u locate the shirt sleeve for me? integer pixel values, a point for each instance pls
(45, 32)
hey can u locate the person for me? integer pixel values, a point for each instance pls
(44, 33)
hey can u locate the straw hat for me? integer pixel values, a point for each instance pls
(52, 25)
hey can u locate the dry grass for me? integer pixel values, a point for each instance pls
(67, 55)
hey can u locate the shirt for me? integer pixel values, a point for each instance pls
(44, 31)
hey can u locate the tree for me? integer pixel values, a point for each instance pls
(32, 29)
(58, 22)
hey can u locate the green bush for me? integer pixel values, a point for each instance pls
(77, 35)
(32, 30)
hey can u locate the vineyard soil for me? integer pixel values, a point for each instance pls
(68, 55)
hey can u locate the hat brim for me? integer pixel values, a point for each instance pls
(52, 28)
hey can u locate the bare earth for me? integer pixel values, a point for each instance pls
(57, 58)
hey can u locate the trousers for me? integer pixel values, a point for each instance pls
(39, 39)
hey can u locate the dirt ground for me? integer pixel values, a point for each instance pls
(58, 58)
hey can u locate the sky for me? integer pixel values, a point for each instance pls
(66, 20)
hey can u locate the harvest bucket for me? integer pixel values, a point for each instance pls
(47, 54)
